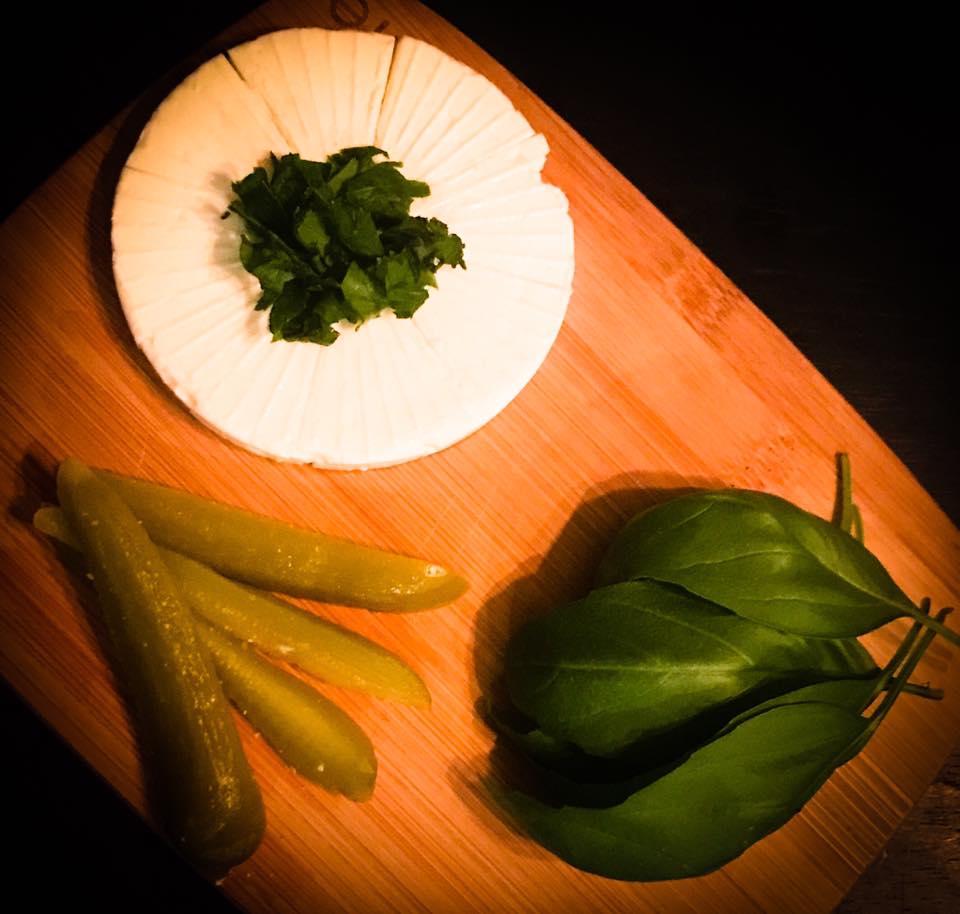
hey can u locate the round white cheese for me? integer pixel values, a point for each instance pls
(391, 390)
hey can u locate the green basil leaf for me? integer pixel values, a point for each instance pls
(727, 794)
(634, 660)
(761, 557)
(565, 773)
(851, 694)
(708, 810)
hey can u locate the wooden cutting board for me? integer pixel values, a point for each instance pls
(664, 376)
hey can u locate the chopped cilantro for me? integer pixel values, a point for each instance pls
(334, 241)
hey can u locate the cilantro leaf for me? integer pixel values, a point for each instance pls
(402, 283)
(356, 229)
(259, 203)
(382, 189)
(360, 292)
(289, 305)
(311, 232)
(342, 174)
(334, 241)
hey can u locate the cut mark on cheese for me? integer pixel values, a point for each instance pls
(287, 138)
(392, 390)
(342, 76)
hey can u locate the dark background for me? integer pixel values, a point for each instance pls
(804, 150)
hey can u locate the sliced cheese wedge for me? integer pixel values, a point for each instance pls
(391, 390)
(210, 129)
(440, 117)
(324, 88)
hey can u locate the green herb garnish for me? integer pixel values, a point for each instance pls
(334, 241)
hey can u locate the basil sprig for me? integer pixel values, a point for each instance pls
(765, 559)
(695, 700)
(727, 794)
(634, 660)
(334, 241)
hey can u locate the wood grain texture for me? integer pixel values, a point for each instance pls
(918, 872)
(703, 390)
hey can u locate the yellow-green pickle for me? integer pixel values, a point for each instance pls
(200, 784)
(327, 651)
(309, 732)
(280, 557)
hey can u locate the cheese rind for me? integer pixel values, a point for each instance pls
(391, 390)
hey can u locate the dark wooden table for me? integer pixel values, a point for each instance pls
(806, 153)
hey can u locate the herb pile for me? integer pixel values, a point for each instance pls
(334, 241)
(698, 697)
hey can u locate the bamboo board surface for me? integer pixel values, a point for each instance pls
(702, 391)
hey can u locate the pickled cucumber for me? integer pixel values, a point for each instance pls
(325, 650)
(310, 733)
(201, 785)
(278, 556)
